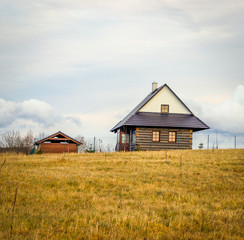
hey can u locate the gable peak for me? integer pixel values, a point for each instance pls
(164, 95)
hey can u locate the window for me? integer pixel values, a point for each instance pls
(172, 136)
(164, 108)
(133, 137)
(155, 136)
(124, 138)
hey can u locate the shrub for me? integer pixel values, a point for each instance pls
(39, 151)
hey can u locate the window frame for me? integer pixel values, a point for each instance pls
(175, 135)
(164, 105)
(153, 137)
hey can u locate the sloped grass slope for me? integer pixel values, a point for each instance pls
(139, 195)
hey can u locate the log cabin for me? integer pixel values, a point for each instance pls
(161, 121)
(58, 143)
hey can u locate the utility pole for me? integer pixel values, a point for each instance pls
(100, 141)
(217, 145)
(235, 142)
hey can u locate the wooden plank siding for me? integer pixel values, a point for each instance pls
(58, 148)
(144, 139)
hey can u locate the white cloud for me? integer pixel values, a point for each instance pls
(227, 116)
(38, 111)
(238, 95)
(33, 114)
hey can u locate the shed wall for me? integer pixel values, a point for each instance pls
(144, 139)
(58, 148)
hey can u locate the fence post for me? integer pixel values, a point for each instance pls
(235, 142)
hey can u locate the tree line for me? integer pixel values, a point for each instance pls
(13, 141)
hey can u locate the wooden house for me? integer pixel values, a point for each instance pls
(58, 143)
(160, 121)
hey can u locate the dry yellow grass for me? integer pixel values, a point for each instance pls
(139, 195)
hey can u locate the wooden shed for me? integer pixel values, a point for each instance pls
(160, 121)
(58, 143)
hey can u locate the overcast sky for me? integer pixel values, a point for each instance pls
(80, 66)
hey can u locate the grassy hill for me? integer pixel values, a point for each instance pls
(140, 195)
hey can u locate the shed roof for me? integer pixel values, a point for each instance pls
(52, 137)
(134, 117)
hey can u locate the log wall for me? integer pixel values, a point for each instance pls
(144, 139)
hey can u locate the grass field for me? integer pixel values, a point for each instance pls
(195, 194)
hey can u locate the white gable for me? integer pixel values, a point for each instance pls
(165, 96)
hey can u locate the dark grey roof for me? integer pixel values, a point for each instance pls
(170, 120)
(141, 104)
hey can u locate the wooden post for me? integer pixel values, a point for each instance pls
(130, 140)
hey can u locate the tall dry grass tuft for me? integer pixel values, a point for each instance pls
(138, 195)
(13, 212)
(4, 161)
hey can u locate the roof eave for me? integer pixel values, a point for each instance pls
(59, 132)
(157, 126)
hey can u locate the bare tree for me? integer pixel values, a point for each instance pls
(28, 140)
(12, 141)
(81, 139)
(110, 148)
